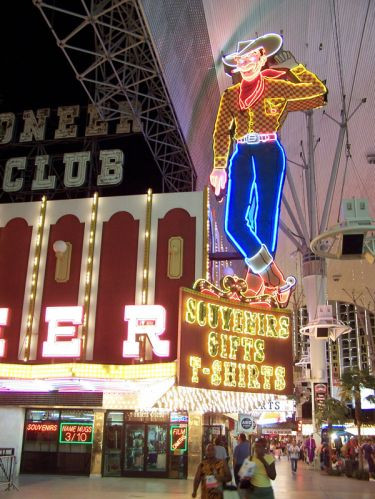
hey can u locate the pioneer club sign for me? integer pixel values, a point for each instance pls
(47, 127)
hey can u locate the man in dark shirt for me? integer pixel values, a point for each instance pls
(368, 453)
(241, 452)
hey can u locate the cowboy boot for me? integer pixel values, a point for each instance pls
(277, 285)
(284, 292)
(272, 276)
(258, 264)
(274, 282)
(255, 284)
(262, 264)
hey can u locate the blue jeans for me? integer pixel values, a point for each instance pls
(256, 179)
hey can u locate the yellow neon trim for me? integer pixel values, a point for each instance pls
(206, 230)
(89, 266)
(146, 257)
(97, 371)
(34, 281)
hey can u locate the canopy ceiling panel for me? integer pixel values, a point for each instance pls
(179, 32)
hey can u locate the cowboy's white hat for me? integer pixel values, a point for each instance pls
(270, 43)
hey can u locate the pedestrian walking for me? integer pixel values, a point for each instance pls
(368, 454)
(220, 452)
(294, 453)
(258, 485)
(310, 447)
(211, 474)
(241, 452)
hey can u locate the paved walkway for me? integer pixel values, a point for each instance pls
(306, 484)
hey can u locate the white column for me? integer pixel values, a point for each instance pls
(315, 287)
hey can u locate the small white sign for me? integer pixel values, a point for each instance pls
(246, 423)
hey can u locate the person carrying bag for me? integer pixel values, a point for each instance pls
(255, 483)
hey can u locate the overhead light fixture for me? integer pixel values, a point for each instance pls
(325, 326)
(353, 238)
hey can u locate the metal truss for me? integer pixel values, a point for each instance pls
(306, 227)
(109, 47)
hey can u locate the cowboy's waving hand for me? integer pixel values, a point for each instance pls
(284, 59)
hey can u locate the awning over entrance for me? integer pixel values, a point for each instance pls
(123, 387)
(202, 400)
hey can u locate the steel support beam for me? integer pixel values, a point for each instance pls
(311, 175)
(333, 177)
(292, 217)
(298, 206)
(110, 50)
(290, 236)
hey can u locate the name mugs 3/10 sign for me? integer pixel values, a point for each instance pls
(63, 340)
(224, 345)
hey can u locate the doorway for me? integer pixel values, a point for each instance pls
(136, 445)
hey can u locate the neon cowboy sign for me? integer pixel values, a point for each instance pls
(63, 338)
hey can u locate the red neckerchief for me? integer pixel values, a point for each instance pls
(251, 91)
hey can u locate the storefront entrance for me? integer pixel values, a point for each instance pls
(57, 441)
(146, 448)
(138, 444)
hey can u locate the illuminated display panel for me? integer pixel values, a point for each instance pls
(179, 417)
(76, 433)
(228, 346)
(178, 437)
(44, 427)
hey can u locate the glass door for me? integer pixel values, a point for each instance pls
(157, 441)
(134, 447)
(113, 443)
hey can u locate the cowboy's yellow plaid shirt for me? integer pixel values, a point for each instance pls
(268, 113)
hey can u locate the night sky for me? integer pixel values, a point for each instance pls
(35, 74)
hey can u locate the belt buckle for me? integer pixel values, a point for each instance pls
(252, 138)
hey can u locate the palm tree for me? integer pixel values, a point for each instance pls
(352, 381)
(333, 412)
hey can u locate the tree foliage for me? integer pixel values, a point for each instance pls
(333, 412)
(352, 380)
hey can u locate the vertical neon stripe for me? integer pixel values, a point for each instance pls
(277, 213)
(252, 211)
